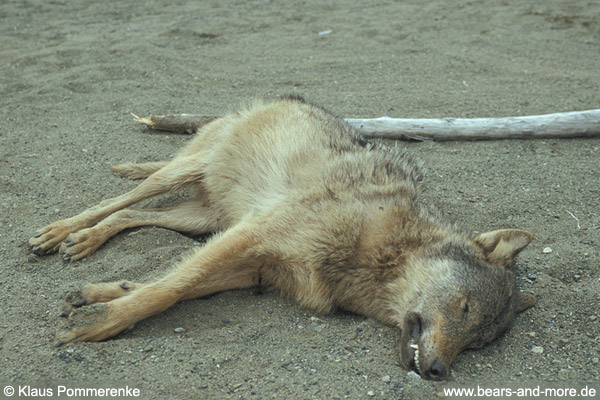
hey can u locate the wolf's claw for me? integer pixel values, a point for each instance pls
(79, 303)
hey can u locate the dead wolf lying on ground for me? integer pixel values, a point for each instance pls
(301, 202)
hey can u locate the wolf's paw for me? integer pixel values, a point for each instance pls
(80, 244)
(96, 293)
(90, 323)
(48, 240)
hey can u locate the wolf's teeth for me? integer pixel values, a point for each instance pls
(417, 364)
(414, 346)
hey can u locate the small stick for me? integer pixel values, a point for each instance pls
(549, 126)
(576, 219)
(578, 225)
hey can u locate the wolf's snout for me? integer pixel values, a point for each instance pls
(436, 371)
(418, 354)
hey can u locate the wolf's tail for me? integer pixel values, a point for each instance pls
(137, 171)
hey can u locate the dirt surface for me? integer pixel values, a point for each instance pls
(71, 72)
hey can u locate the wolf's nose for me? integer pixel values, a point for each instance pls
(436, 371)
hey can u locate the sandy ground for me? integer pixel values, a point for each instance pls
(71, 72)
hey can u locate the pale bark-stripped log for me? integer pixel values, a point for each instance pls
(549, 126)
(558, 125)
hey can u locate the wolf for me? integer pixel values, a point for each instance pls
(298, 200)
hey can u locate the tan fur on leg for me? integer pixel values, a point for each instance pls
(178, 173)
(137, 171)
(191, 217)
(102, 320)
(97, 293)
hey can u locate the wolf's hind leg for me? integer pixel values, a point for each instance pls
(93, 293)
(237, 246)
(177, 173)
(239, 277)
(191, 217)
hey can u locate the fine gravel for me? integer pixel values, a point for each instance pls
(72, 71)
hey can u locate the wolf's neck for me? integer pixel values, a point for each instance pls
(389, 242)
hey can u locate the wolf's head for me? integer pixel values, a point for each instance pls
(465, 297)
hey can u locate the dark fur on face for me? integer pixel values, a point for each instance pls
(473, 301)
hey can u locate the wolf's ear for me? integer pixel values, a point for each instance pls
(502, 246)
(524, 301)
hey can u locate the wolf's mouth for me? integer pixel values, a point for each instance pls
(413, 346)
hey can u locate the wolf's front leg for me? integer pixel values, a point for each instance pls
(238, 246)
(179, 172)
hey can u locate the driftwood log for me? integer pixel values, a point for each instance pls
(549, 126)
